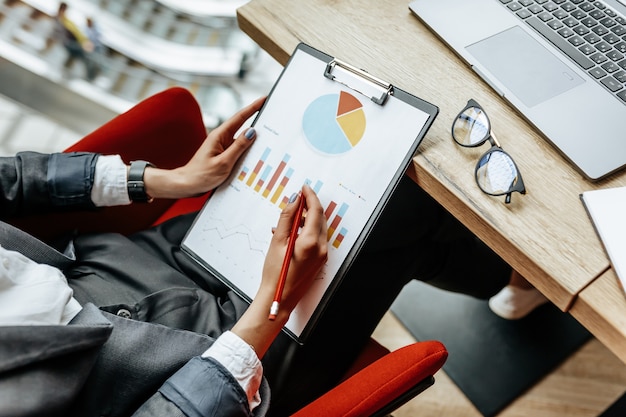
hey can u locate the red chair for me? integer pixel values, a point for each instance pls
(384, 385)
(378, 382)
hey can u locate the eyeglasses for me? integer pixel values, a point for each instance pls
(496, 173)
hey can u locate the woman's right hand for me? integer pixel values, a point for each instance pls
(309, 255)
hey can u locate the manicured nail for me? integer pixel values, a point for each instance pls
(250, 133)
(293, 198)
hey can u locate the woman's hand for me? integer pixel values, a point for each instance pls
(211, 164)
(309, 255)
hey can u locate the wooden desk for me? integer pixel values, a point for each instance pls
(601, 308)
(546, 234)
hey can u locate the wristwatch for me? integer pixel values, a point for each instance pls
(135, 184)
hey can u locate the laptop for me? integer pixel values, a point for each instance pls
(560, 63)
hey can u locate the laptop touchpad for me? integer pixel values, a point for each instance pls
(524, 66)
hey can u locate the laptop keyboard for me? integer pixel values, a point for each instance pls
(589, 32)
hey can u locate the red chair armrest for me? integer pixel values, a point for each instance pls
(380, 383)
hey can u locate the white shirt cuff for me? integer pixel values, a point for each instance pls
(241, 361)
(110, 182)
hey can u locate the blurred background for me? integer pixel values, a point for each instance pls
(141, 47)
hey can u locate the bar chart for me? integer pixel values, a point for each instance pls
(270, 181)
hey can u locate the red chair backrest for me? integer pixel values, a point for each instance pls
(168, 143)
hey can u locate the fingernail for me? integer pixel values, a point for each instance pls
(293, 198)
(250, 133)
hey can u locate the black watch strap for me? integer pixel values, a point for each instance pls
(136, 186)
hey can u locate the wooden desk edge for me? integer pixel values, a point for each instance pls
(245, 20)
(559, 295)
(601, 308)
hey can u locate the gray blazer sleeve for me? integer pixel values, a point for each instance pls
(32, 182)
(203, 387)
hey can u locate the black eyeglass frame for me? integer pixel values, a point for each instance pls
(518, 186)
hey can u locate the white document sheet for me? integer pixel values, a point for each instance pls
(607, 210)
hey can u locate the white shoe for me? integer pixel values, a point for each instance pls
(514, 303)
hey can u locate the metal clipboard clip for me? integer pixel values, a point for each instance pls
(377, 90)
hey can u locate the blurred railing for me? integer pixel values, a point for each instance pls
(138, 59)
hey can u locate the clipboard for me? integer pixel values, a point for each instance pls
(349, 135)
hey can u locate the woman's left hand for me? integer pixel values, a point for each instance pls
(210, 165)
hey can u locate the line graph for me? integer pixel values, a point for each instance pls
(238, 231)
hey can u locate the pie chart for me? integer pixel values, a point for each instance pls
(334, 123)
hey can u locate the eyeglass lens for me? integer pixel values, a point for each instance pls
(471, 128)
(496, 173)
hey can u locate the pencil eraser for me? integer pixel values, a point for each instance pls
(273, 310)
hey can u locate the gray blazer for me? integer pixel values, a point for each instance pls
(100, 364)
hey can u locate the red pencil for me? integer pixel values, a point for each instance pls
(285, 268)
